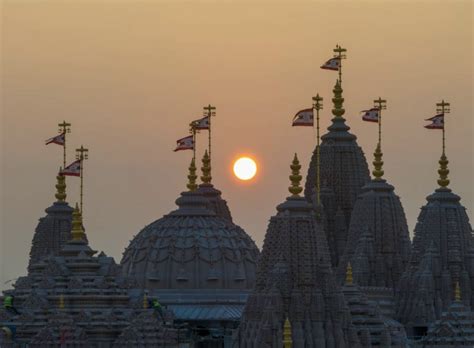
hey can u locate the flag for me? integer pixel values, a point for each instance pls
(186, 143)
(74, 169)
(58, 139)
(371, 115)
(332, 64)
(304, 118)
(202, 123)
(437, 122)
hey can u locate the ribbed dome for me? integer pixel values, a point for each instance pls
(344, 171)
(378, 245)
(192, 248)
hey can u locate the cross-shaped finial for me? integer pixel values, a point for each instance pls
(340, 52)
(442, 107)
(82, 153)
(210, 110)
(318, 105)
(64, 127)
(380, 103)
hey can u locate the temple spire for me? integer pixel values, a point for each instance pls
(60, 187)
(318, 105)
(295, 177)
(77, 231)
(206, 169)
(192, 186)
(349, 279)
(287, 339)
(378, 163)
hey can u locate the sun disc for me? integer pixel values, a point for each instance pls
(245, 168)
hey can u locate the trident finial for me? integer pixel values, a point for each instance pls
(60, 186)
(457, 292)
(192, 186)
(338, 101)
(287, 339)
(349, 279)
(206, 169)
(295, 177)
(77, 231)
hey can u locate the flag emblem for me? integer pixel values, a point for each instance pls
(58, 139)
(371, 115)
(202, 123)
(332, 64)
(437, 122)
(186, 143)
(74, 169)
(304, 118)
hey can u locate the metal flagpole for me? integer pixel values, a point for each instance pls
(340, 53)
(193, 131)
(443, 108)
(81, 155)
(318, 105)
(209, 111)
(64, 128)
(380, 104)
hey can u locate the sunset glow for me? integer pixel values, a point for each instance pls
(245, 168)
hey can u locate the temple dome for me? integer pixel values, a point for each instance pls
(192, 248)
(216, 203)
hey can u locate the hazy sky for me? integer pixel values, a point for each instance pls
(130, 76)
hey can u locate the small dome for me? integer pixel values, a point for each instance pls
(192, 248)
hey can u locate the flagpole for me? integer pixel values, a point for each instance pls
(193, 131)
(443, 108)
(380, 104)
(81, 155)
(64, 128)
(341, 55)
(210, 110)
(318, 105)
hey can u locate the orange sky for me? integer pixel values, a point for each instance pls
(131, 75)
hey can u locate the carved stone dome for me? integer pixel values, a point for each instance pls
(192, 248)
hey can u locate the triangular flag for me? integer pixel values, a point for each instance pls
(186, 143)
(74, 169)
(332, 64)
(304, 118)
(437, 122)
(58, 139)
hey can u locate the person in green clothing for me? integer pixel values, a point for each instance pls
(157, 307)
(8, 304)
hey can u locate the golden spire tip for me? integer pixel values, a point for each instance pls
(60, 186)
(77, 231)
(378, 163)
(443, 171)
(457, 292)
(61, 301)
(192, 186)
(338, 100)
(206, 169)
(295, 177)
(145, 301)
(349, 279)
(287, 337)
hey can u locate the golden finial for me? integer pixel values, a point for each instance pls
(349, 279)
(60, 187)
(77, 231)
(145, 300)
(192, 177)
(295, 177)
(287, 340)
(378, 163)
(443, 171)
(457, 292)
(206, 169)
(61, 301)
(338, 100)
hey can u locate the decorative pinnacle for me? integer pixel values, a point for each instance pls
(61, 301)
(60, 187)
(77, 231)
(349, 279)
(206, 169)
(287, 339)
(192, 186)
(443, 171)
(338, 100)
(295, 177)
(318, 105)
(145, 300)
(457, 292)
(378, 163)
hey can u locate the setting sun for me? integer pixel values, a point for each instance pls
(245, 168)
